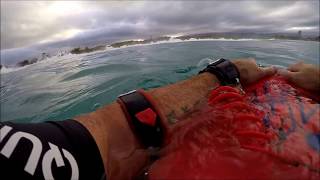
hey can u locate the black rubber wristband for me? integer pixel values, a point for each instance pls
(142, 118)
(225, 71)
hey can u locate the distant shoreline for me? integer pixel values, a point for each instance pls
(206, 36)
(202, 36)
(182, 38)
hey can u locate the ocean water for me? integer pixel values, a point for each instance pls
(63, 87)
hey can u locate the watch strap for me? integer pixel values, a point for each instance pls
(225, 71)
(143, 118)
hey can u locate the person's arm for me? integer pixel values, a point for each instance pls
(121, 152)
(122, 155)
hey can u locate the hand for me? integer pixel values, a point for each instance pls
(250, 72)
(306, 76)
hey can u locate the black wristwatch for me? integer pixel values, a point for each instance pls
(225, 71)
(143, 118)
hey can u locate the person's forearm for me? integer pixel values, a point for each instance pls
(180, 98)
(117, 144)
(115, 140)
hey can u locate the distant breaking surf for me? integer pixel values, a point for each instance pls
(175, 40)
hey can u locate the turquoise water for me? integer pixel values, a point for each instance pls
(63, 87)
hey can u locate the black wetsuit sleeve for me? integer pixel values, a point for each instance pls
(49, 150)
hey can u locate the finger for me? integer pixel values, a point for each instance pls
(287, 74)
(268, 71)
(295, 67)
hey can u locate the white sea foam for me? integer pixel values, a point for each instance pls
(5, 70)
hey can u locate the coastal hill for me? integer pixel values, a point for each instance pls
(79, 50)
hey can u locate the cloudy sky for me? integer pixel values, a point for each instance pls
(29, 23)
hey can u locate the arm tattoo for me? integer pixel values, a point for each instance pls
(172, 117)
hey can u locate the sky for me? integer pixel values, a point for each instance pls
(31, 25)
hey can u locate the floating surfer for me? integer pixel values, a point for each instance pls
(233, 120)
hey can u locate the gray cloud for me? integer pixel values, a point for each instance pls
(27, 23)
